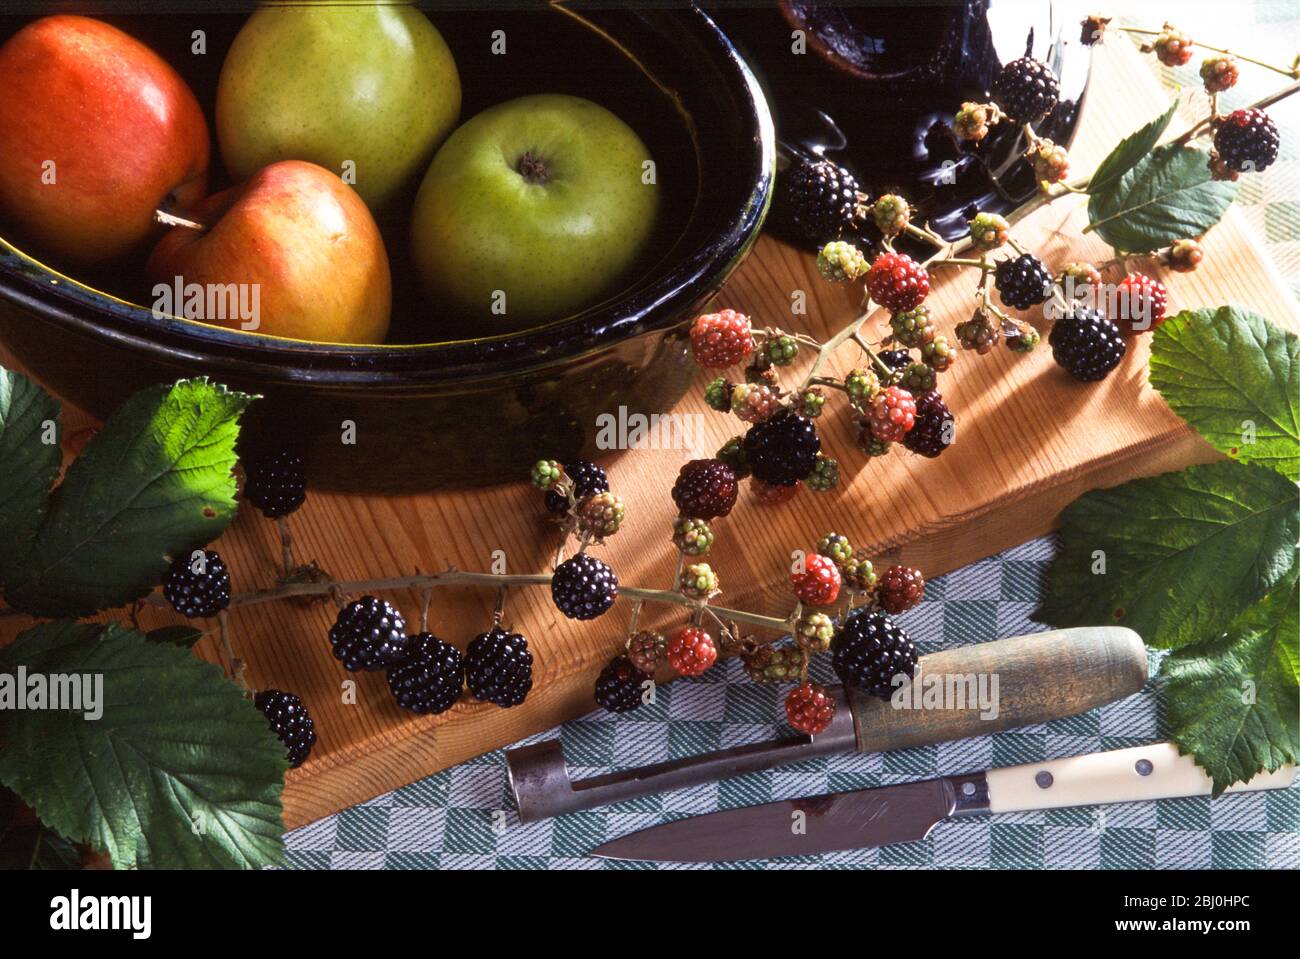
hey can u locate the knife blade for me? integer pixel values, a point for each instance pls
(908, 812)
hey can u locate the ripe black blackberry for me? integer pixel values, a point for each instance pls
(583, 587)
(429, 680)
(369, 634)
(290, 721)
(195, 587)
(1026, 90)
(782, 450)
(869, 650)
(1247, 141)
(935, 426)
(1023, 282)
(275, 483)
(1086, 344)
(818, 199)
(896, 359)
(499, 667)
(588, 478)
(618, 687)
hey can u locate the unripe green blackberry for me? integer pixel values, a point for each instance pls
(1184, 256)
(938, 354)
(912, 327)
(546, 473)
(810, 402)
(977, 333)
(891, 213)
(732, 453)
(840, 262)
(988, 231)
(717, 395)
(862, 385)
(692, 536)
(698, 581)
(825, 475)
(782, 349)
(1050, 161)
(600, 515)
(918, 378)
(973, 120)
(815, 631)
(773, 665)
(869, 443)
(858, 574)
(1023, 340)
(835, 547)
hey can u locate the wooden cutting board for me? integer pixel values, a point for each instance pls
(1029, 440)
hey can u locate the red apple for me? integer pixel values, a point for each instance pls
(297, 243)
(96, 132)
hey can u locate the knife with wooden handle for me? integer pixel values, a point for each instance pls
(1036, 678)
(907, 813)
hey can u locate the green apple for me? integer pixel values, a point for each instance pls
(532, 209)
(366, 91)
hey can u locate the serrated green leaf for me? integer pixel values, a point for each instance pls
(1129, 151)
(1167, 195)
(28, 466)
(1184, 552)
(1229, 373)
(180, 770)
(155, 483)
(1233, 701)
(178, 635)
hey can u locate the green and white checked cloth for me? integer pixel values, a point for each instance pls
(453, 820)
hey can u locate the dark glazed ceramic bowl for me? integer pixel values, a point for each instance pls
(463, 411)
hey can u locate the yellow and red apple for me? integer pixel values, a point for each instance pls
(96, 133)
(302, 240)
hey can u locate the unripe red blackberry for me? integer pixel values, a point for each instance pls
(691, 651)
(897, 282)
(647, 650)
(900, 588)
(892, 414)
(809, 709)
(705, 489)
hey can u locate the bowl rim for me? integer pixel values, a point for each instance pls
(652, 305)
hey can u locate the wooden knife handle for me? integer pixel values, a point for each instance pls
(1039, 677)
(1121, 775)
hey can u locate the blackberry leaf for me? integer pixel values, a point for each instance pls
(154, 483)
(179, 770)
(1130, 151)
(28, 465)
(1232, 701)
(1165, 196)
(1185, 553)
(1223, 369)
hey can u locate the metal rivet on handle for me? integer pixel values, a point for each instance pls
(1143, 767)
(1044, 779)
(968, 789)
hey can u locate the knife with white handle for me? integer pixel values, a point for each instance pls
(907, 813)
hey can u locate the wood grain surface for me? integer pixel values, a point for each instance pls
(1029, 440)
